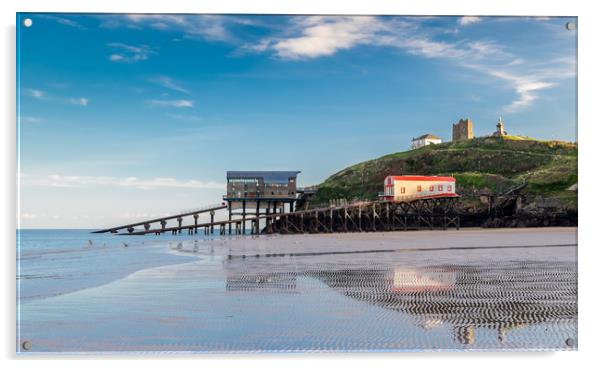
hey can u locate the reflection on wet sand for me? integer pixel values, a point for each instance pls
(282, 281)
(494, 296)
(499, 296)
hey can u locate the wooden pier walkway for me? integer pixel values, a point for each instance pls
(432, 213)
(163, 220)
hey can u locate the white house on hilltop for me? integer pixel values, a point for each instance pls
(425, 140)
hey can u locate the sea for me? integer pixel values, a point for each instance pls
(80, 292)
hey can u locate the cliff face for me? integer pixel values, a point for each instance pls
(548, 170)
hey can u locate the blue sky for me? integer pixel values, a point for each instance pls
(123, 117)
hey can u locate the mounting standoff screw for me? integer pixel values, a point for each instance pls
(26, 345)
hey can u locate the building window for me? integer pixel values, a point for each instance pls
(440, 188)
(403, 190)
(431, 188)
(449, 188)
(419, 188)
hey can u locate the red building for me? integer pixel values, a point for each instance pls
(404, 188)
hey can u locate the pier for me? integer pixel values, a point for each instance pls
(268, 202)
(431, 214)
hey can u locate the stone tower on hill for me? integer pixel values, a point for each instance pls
(462, 130)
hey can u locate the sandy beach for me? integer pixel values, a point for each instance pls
(400, 240)
(471, 289)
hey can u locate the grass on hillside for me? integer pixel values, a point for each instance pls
(491, 164)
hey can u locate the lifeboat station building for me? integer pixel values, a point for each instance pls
(258, 192)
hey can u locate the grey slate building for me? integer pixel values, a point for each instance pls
(260, 192)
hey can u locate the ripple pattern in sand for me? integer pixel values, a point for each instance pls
(486, 299)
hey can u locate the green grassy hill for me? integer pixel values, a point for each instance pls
(479, 165)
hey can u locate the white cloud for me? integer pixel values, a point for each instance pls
(464, 21)
(528, 79)
(36, 93)
(129, 53)
(524, 86)
(321, 36)
(41, 95)
(485, 48)
(317, 36)
(29, 216)
(431, 49)
(159, 25)
(310, 37)
(79, 181)
(81, 101)
(526, 95)
(210, 27)
(63, 21)
(171, 103)
(31, 119)
(168, 82)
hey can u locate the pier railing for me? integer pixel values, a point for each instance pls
(163, 220)
(199, 209)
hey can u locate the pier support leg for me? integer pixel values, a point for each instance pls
(257, 218)
(267, 219)
(388, 214)
(373, 217)
(179, 225)
(229, 217)
(244, 216)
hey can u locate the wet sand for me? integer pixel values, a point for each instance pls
(469, 289)
(392, 241)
